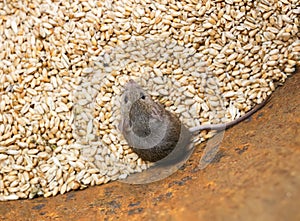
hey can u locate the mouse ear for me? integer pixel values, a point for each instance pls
(124, 126)
(156, 113)
(121, 125)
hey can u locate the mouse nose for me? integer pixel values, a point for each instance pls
(131, 84)
(131, 81)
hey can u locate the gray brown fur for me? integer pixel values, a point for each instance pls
(169, 140)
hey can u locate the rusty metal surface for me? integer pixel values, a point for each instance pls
(256, 176)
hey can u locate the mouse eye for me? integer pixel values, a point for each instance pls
(143, 96)
(125, 99)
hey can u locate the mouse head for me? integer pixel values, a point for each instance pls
(132, 93)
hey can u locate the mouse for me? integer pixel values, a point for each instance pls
(153, 132)
(149, 129)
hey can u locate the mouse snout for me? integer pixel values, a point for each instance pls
(131, 83)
